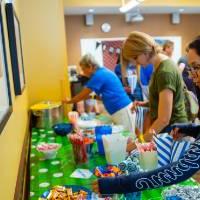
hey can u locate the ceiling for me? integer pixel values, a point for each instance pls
(146, 10)
(81, 7)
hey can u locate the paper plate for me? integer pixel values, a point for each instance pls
(75, 188)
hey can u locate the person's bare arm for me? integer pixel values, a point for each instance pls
(84, 94)
(164, 112)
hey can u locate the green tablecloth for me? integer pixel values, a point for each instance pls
(47, 173)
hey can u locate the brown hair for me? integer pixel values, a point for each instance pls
(168, 43)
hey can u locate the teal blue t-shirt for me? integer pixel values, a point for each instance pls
(107, 85)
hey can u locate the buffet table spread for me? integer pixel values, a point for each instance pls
(46, 173)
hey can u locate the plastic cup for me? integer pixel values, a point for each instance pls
(99, 131)
(80, 154)
(115, 155)
(148, 160)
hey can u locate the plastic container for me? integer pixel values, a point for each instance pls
(62, 129)
(115, 148)
(148, 160)
(80, 153)
(49, 150)
(99, 131)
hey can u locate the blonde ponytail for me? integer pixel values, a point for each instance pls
(138, 43)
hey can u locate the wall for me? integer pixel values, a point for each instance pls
(44, 50)
(156, 25)
(44, 41)
(12, 137)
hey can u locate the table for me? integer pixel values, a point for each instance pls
(47, 173)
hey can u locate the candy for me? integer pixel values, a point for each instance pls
(144, 147)
(131, 164)
(79, 147)
(60, 192)
(43, 147)
(182, 193)
(109, 171)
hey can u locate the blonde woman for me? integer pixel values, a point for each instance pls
(189, 164)
(166, 98)
(108, 87)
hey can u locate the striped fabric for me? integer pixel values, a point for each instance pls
(169, 150)
(178, 149)
(164, 146)
(139, 120)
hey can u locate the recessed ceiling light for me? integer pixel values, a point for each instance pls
(91, 10)
(181, 9)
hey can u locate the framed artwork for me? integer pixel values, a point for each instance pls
(97, 46)
(5, 97)
(16, 53)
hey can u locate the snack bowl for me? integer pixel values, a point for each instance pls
(62, 129)
(49, 150)
(68, 190)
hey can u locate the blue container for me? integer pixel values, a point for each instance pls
(62, 129)
(99, 131)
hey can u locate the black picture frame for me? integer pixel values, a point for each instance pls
(16, 53)
(8, 112)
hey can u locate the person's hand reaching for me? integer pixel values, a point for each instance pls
(176, 134)
(66, 101)
(136, 104)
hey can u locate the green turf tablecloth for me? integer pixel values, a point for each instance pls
(47, 173)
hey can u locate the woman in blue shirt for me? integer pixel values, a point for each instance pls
(108, 87)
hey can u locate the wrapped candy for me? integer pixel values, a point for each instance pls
(107, 171)
(181, 193)
(131, 165)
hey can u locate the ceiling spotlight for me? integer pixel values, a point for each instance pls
(129, 5)
(91, 10)
(181, 10)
